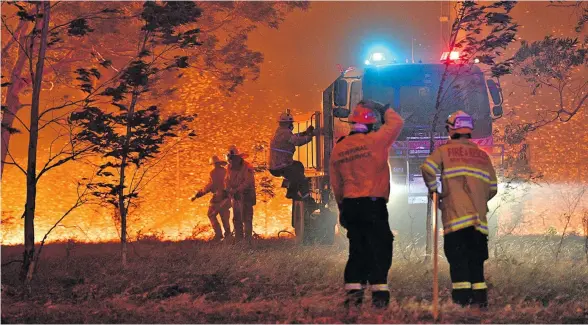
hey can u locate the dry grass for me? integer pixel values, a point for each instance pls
(277, 282)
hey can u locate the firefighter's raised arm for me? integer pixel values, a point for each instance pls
(302, 138)
(430, 168)
(391, 128)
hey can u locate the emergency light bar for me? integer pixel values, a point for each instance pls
(453, 56)
(376, 58)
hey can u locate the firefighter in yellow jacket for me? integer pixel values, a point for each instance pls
(360, 179)
(219, 203)
(468, 183)
(240, 184)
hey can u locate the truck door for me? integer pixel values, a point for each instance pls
(338, 102)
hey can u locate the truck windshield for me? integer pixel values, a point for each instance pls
(414, 94)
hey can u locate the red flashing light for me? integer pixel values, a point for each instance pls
(454, 56)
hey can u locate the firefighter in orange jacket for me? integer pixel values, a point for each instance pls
(240, 184)
(468, 183)
(219, 203)
(360, 179)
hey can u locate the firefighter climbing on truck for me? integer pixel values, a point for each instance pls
(282, 163)
(360, 179)
(468, 183)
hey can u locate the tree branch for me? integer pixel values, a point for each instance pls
(22, 47)
(94, 15)
(79, 202)
(12, 157)
(72, 156)
(18, 118)
(14, 38)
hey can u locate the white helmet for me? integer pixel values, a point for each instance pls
(286, 117)
(215, 160)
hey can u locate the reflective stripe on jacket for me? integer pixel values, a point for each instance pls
(283, 146)
(469, 182)
(359, 162)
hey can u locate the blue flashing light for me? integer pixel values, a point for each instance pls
(378, 57)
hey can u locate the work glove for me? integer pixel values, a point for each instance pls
(234, 194)
(198, 194)
(309, 130)
(439, 200)
(382, 110)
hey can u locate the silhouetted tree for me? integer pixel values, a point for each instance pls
(480, 33)
(131, 136)
(556, 64)
(33, 47)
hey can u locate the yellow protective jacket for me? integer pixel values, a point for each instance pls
(216, 184)
(468, 183)
(359, 162)
(283, 146)
(241, 180)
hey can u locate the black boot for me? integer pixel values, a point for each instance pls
(380, 299)
(480, 298)
(310, 205)
(462, 297)
(354, 298)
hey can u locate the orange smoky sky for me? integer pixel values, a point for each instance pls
(300, 61)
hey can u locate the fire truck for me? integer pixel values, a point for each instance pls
(411, 89)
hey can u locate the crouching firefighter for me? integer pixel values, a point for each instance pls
(220, 202)
(282, 163)
(240, 184)
(468, 183)
(360, 179)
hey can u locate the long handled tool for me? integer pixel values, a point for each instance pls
(435, 257)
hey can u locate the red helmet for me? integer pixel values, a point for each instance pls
(363, 115)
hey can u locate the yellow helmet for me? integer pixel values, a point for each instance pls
(460, 122)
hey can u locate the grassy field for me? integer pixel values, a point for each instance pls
(275, 281)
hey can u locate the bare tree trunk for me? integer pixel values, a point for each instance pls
(123, 207)
(123, 210)
(29, 231)
(452, 40)
(585, 224)
(12, 95)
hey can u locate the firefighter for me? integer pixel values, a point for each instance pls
(282, 163)
(240, 184)
(219, 203)
(360, 179)
(468, 183)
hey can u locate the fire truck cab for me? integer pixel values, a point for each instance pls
(411, 89)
